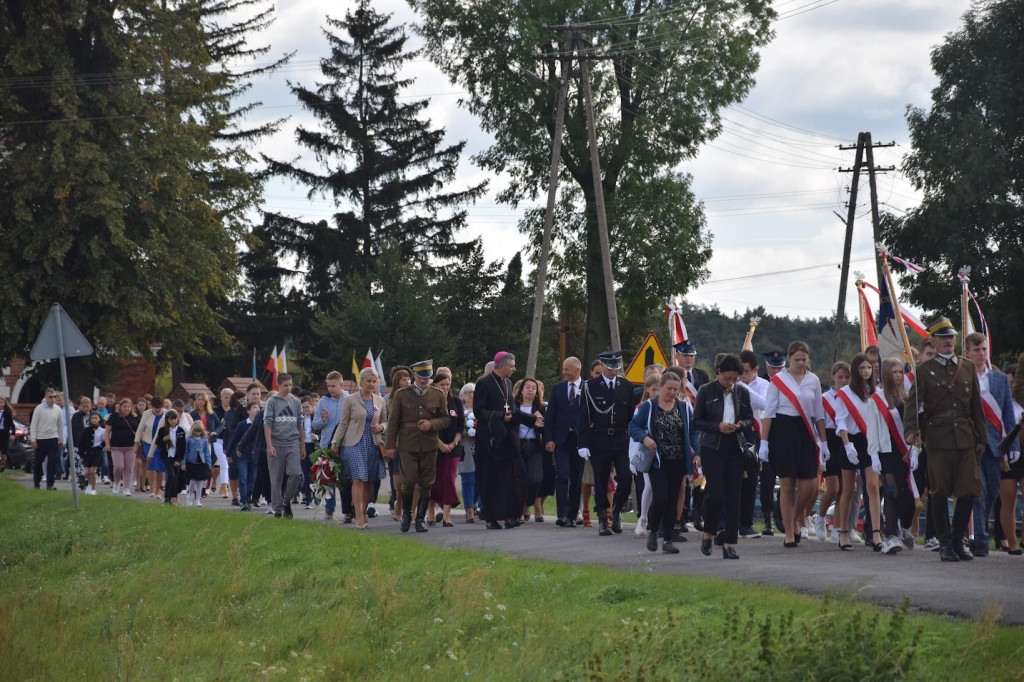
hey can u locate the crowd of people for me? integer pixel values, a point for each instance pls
(687, 451)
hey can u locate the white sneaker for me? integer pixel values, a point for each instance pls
(932, 545)
(90, 491)
(819, 528)
(199, 503)
(188, 501)
(127, 492)
(892, 545)
(834, 537)
(106, 479)
(117, 488)
(907, 538)
(854, 537)
(641, 526)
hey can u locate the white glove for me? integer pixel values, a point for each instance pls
(851, 453)
(1014, 456)
(823, 451)
(762, 451)
(584, 453)
(915, 453)
(632, 469)
(876, 465)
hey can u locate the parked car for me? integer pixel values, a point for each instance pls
(19, 450)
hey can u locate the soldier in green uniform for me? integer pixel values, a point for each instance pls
(944, 410)
(415, 416)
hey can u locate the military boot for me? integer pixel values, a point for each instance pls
(421, 513)
(406, 513)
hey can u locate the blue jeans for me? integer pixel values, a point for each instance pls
(468, 489)
(247, 468)
(990, 469)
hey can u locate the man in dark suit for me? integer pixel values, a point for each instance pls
(497, 454)
(560, 421)
(686, 356)
(606, 410)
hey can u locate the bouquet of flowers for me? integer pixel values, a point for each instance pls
(325, 472)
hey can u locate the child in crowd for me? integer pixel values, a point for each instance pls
(91, 445)
(198, 463)
(310, 439)
(171, 446)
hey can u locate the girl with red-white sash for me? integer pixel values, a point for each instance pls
(898, 500)
(793, 436)
(834, 466)
(860, 429)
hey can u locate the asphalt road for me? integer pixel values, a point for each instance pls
(965, 589)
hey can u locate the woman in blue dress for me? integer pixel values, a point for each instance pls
(358, 436)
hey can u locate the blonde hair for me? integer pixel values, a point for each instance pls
(206, 401)
(653, 380)
(197, 430)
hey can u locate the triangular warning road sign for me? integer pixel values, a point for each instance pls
(650, 353)
(47, 345)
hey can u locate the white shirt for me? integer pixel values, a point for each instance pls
(873, 420)
(983, 381)
(758, 389)
(728, 411)
(809, 395)
(833, 399)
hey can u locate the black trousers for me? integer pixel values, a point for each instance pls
(602, 461)
(46, 448)
(766, 480)
(666, 481)
(723, 471)
(748, 493)
(568, 478)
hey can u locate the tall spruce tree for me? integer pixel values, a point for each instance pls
(381, 162)
(122, 169)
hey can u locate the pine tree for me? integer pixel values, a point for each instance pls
(381, 163)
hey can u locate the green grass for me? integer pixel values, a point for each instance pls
(119, 590)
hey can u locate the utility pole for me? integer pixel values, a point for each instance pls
(549, 215)
(864, 148)
(602, 221)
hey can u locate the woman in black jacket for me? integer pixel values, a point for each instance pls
(721, 412)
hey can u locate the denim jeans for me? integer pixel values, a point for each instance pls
(247, 467)
(468, 489)
(990, 469)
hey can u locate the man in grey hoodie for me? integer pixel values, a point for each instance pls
(282, 425)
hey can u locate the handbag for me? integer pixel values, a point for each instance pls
(640, 456)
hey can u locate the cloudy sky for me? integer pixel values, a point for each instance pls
(770, 182)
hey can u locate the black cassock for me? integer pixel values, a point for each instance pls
(498, 461)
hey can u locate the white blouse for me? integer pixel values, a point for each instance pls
(809, 395)
(873, 420)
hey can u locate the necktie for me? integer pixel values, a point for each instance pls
(572, 394)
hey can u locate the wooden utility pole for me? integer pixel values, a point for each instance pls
(851, 213)
(864, 148)
(549, 215)
(602, 221)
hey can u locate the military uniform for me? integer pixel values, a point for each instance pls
(601, 430)
(417, 449)
(944, 407)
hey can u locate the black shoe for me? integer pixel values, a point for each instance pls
(652, 542)
(616, 522)
(36, 484)
(348, 518)
(729, 553)
(979, 549)
(561, 522)
(493, 525)
(277, 515)
(705, 547)
(946, 552)
(235, 503)
(668, 548)
(288, 511)
(470, 520)
(767, 531)
(371, 513)
(445, 524)
(51, 487)
(509, 525)
(406, 522)
(799, 537)
(960, 549)
(420, 526)
(603, 528)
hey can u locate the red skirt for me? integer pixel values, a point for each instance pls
(443, 491)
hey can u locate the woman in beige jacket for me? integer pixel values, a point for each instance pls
(359, 436)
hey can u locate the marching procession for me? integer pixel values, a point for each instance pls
(686, 452)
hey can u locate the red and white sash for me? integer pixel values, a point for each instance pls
(890, 420)
(691, 392)
(829, 408)
(854, 411)
(992, 412)
(790, 394)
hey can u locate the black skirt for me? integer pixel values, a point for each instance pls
(836, 454)
(791, 451)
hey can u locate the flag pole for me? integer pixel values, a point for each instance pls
(908, 356)
(965, 311)
(863, 313)
(748, 343)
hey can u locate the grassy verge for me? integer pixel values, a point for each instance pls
(118, 590)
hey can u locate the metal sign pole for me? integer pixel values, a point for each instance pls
(67, 410)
